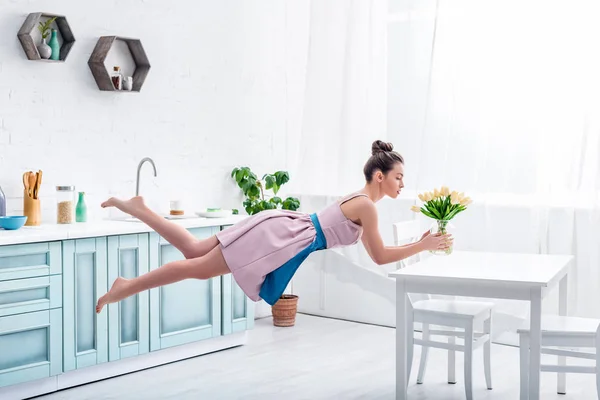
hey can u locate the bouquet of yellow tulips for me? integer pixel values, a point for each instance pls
(442, 206)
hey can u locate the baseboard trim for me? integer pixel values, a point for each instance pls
(111, 369)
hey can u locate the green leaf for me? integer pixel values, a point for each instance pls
(281, 177)
(267, 205)
(433, 210)
(253, 191)
(270, 181)
(276, 200)
(291, 203)
(247, 183)
(427, 213)
(235, 211)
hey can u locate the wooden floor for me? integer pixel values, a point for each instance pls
(319, 358)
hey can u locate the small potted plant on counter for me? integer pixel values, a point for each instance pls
(257, 200)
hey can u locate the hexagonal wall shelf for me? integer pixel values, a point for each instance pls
(101, 74)
(30, 47)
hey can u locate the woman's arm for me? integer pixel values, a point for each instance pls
(381, 254)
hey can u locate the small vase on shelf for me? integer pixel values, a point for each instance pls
(54, 46)
(44, 50)
(81, 209)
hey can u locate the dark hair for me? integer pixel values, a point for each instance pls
(383, 158)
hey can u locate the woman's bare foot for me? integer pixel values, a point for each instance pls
(113, 295)
(132, 206)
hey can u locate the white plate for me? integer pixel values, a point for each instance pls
(214, 214)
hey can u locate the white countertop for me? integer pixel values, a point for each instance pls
(50, 232)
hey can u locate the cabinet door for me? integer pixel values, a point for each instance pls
(128, 320)
(84, 281)
(238, 309)
(30, 260)
(185, 311)
(30, 346)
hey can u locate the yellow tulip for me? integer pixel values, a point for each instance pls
(436, 193)
(445, 191)
(422, 197)
(427, 196)
(461, 195)
(415, 209)
(454, 198)
(465, 201)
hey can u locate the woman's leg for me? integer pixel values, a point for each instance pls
(178, 236)
(205, 267)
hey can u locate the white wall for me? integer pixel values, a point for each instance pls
(217, 96)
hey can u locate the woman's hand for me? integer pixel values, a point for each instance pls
(436, 241)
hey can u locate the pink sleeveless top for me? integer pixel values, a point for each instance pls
(339, 230)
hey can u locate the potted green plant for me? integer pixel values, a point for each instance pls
(258, 199)
(255, 190)
(44, 28)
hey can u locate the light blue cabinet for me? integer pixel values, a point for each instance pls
(31, 294)
(30, 346)
(48, 294)
(129, 319)
(186, 311)
(30, 260)
(238, 309)
(84, 280)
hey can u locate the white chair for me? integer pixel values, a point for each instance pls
(559, 333)
(456, 314)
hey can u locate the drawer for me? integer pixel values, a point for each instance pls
(30, 260)
(31, 294)
(31, 346)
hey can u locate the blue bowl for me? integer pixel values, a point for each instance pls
(10, 223)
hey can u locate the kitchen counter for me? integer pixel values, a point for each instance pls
(50, 232)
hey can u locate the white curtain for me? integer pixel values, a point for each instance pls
(343, 98)
(508, 96)
(499, 99)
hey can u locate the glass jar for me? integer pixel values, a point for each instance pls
(117, 78)
(65, 204)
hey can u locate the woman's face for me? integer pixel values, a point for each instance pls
(392, 183)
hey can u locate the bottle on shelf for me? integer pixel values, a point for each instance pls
(117, 78)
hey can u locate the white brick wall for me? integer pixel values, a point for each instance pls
(222, 91)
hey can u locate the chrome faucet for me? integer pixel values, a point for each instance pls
(137, 181)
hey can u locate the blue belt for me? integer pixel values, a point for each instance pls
(276, 281)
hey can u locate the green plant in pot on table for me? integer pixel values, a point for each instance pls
(258, 199)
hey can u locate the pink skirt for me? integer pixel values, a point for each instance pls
(262, 243)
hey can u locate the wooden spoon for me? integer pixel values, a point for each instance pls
(26, 182)
(31, 184)
(38, 184)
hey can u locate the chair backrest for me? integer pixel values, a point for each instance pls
(407, 232)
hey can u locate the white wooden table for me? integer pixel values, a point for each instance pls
(480, 274)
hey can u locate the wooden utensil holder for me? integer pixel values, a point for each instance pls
(31, 209)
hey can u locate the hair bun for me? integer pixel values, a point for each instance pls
(381, 147)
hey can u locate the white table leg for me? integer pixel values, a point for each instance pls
(401, 339)
(563, 311)
(535, 343)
